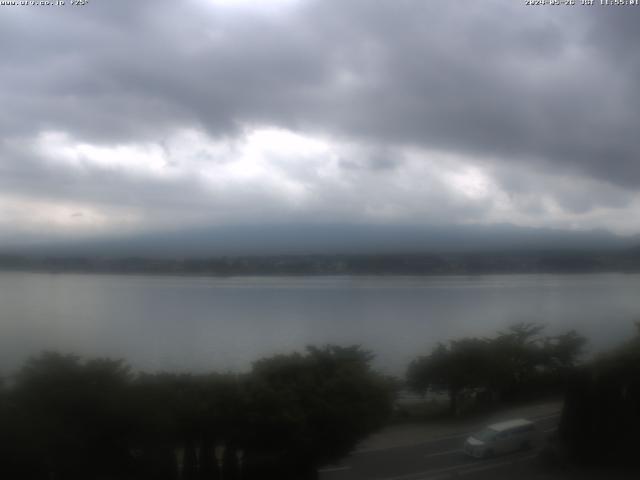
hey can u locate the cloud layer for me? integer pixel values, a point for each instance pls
(124, 116)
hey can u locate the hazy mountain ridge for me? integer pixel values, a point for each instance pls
(418, 264)
(331, 239)
(335, 249)
(338, 250)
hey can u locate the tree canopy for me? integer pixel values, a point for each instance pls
(601, 415)
(507, 365)
(64, 417)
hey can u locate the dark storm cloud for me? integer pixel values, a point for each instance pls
(535, 91)
(491, 78)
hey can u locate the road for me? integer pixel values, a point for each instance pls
(436, 459)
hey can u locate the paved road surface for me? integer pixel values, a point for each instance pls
(436, 459)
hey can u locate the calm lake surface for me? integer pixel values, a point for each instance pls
(196, 323)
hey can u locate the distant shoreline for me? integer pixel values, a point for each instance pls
(418, 265)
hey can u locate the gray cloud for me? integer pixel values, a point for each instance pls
(526, 95)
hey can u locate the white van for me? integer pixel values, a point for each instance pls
(502, 437)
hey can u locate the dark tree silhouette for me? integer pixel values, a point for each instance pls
(463, 364)
(65, 418)
(517, 362)
(72, 416)
(313, 408)
(601, 415)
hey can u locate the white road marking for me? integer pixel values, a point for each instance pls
(459, 469)
(439, 454)
(334, 469)
(421, 475)
(467, 471)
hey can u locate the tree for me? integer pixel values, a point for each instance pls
(519, 354)
(73, 415)
(69, 418)
(463, 364)
(601, 414)
(312, 408)
(563, 351)
(527, 361)
(518, 361)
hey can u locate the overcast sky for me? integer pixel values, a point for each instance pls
(124, 116)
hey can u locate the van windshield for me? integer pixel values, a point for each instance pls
(485, 435)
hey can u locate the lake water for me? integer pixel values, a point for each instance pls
(196, 323)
